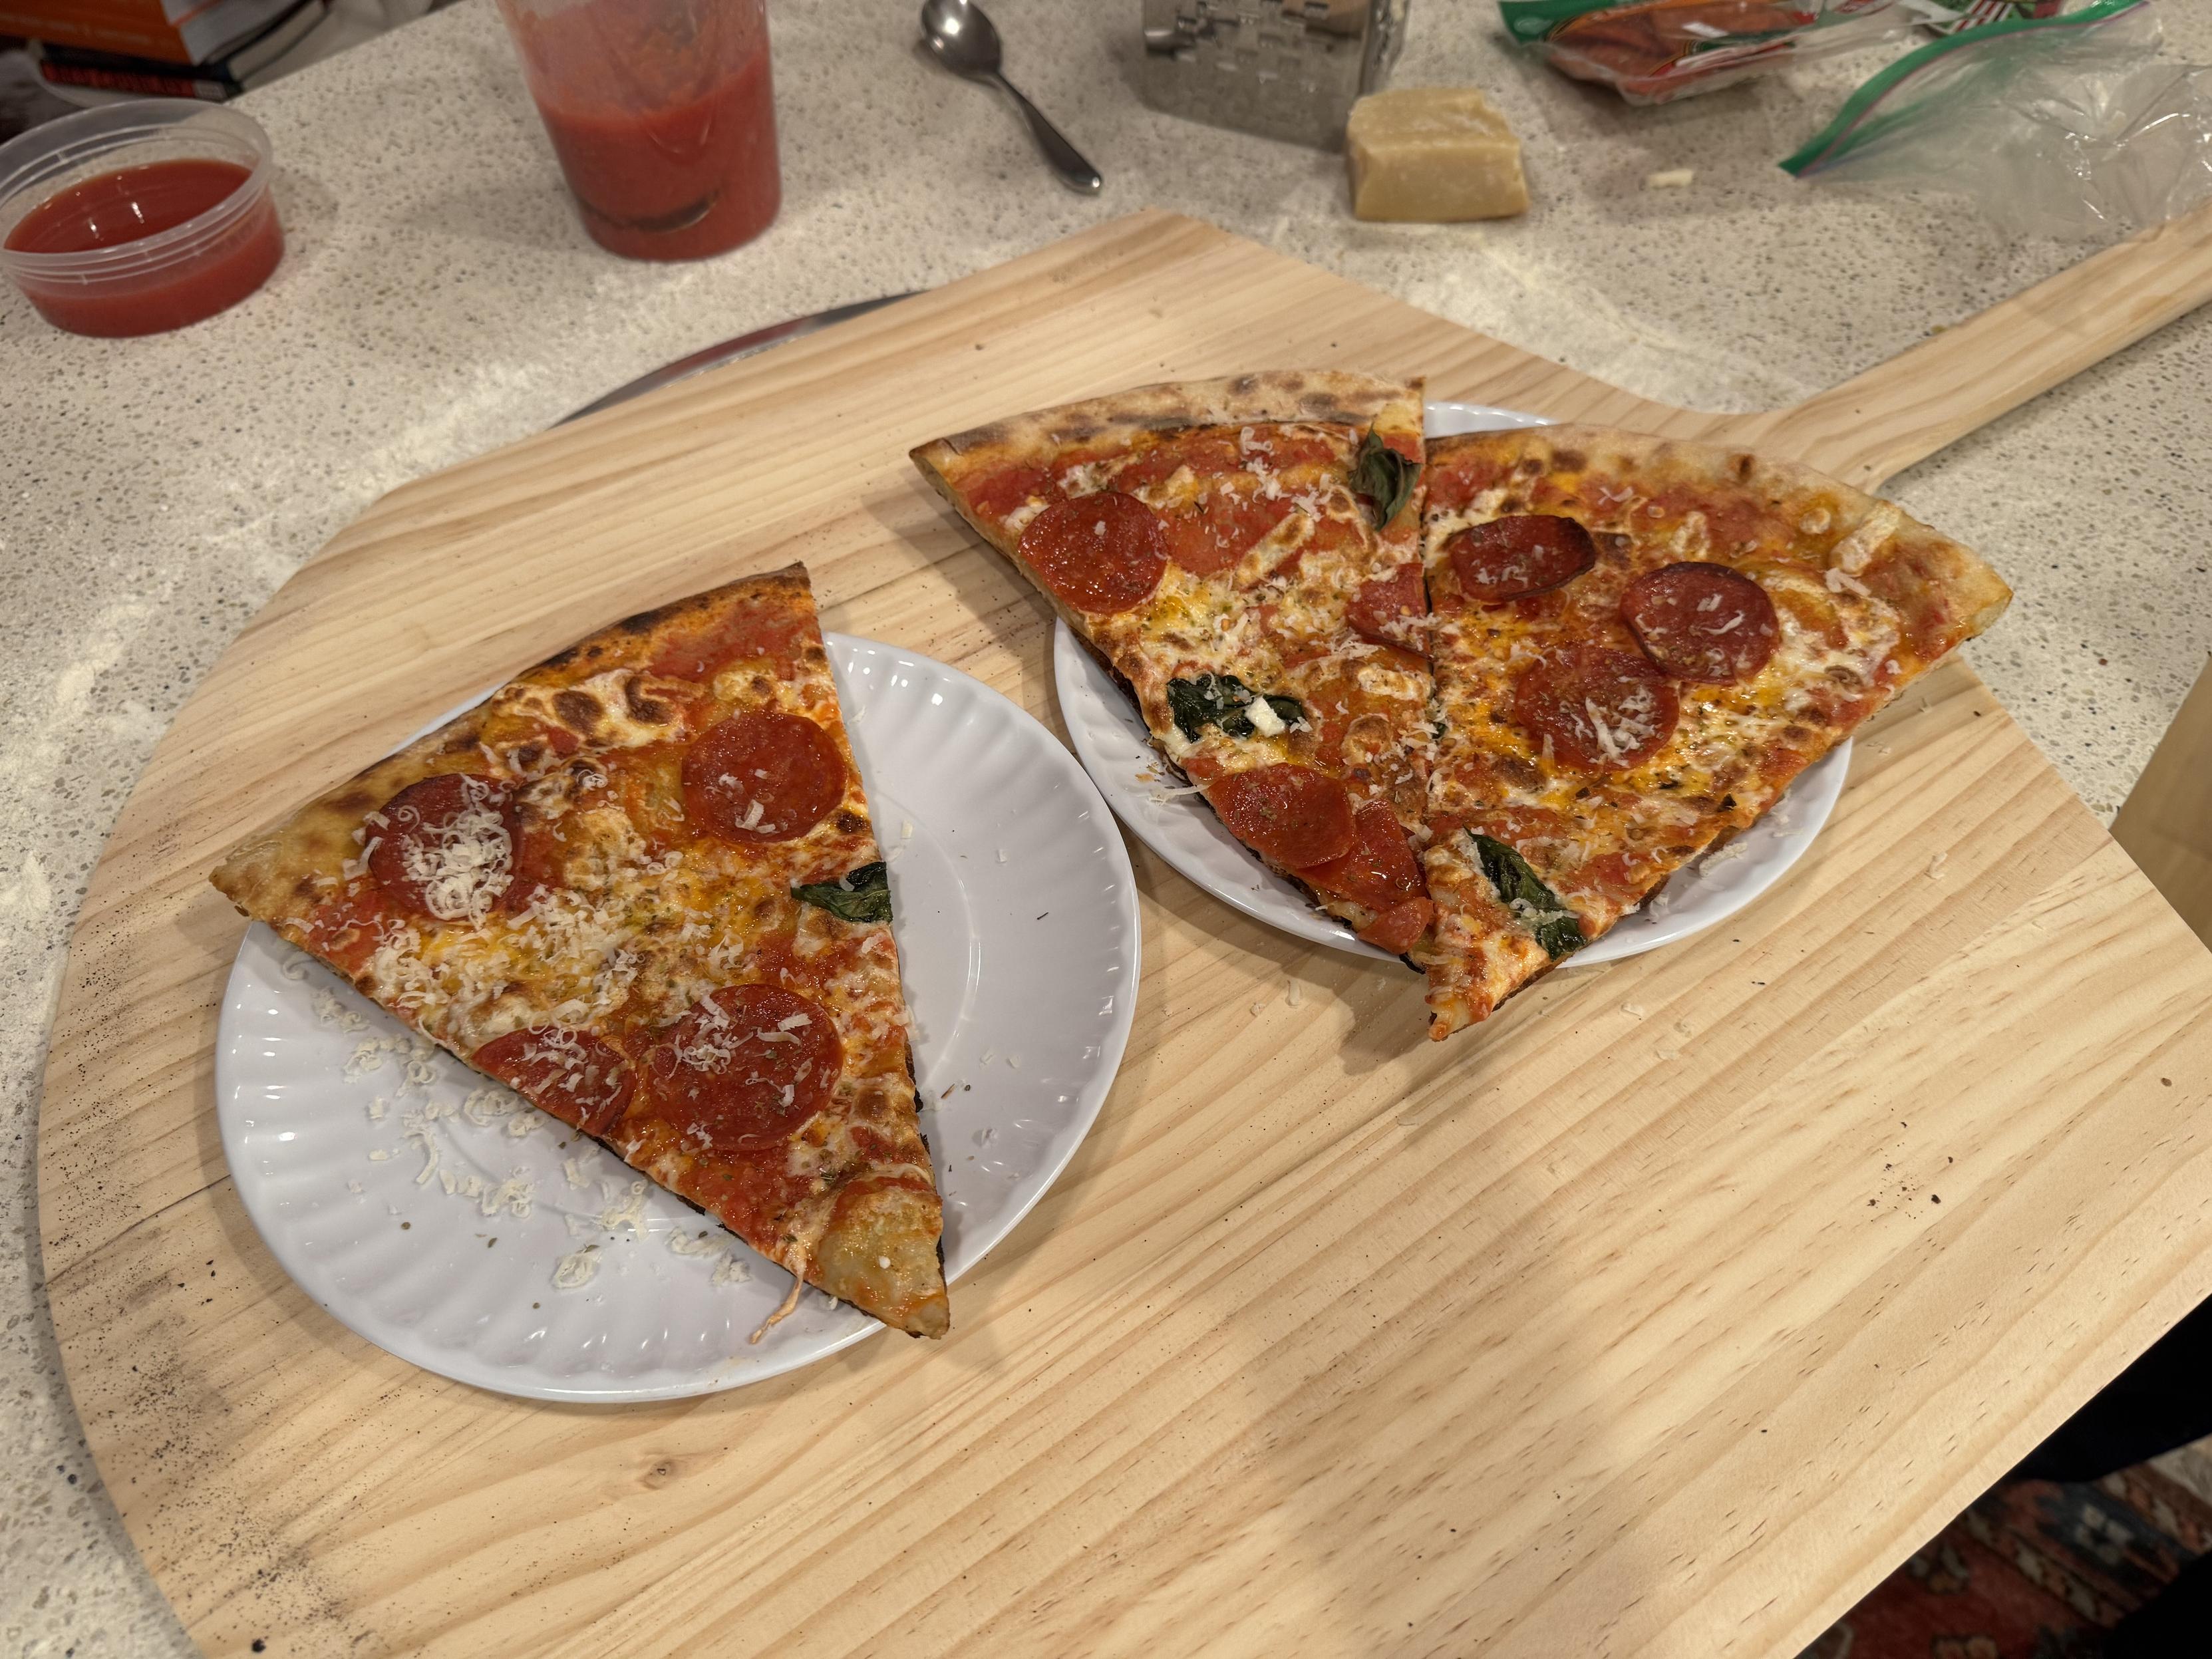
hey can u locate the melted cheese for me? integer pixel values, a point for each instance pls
(632, 933)
(1835, 652)
(1856, 551)
(611, 721)
(1277, 619)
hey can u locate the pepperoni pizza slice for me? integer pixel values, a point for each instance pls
(639, 885)
(1637, 644)
(1243, 556)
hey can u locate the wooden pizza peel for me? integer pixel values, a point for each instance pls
(1664, 1315)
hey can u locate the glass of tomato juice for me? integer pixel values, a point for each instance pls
(663, 115)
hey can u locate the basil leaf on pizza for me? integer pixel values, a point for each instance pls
(1523, 892)
(1209, 542)
(1224, 700)
(1636, 644)
(861, 895)
(1383, 477)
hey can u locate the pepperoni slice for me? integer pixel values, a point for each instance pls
(445, 848)
(572, 1074)
(761, 775)
(1701, 621)
(1398, 927)
(1379, 610)
(1378, 870)
(1294, 814)
(1207, 454)
(745, 1066)
(540, 861)
(1103, 554)
(1599, 710)
(1513, 557)
(1001, 493)
(1208, 539)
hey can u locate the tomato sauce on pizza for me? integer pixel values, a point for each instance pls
(1244, 555)
(1637, 644)
(610, 886)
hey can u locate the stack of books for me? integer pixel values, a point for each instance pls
(210, 48)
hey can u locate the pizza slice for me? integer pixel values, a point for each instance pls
(1242, 555)
(1637, 644)
(639, 885)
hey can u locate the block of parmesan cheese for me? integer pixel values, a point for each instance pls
(1438, 154)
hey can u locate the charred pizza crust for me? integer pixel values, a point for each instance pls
(1323, 396)
(578, 932)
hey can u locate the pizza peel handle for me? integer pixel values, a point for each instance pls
(1876, 424)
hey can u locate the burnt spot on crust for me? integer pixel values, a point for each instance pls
(1529, 466)
(1743, 463)
(527, 757)
(353, 802)
(646, 622)
(851, 824)
(578, 709)
(1288, 395)
(1569, 460)
(305, 890)
(643, 708)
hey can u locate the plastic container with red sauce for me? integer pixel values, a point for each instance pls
(663, 114)
(138, 217)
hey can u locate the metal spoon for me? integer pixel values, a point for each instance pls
(965, 43)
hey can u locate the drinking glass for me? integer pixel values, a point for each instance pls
(663, 115)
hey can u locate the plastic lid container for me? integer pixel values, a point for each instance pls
(137, 217)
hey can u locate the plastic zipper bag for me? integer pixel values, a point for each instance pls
(2065, 126)
(1652, 51)
(1972, 14)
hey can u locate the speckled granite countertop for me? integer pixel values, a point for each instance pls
(439, 300)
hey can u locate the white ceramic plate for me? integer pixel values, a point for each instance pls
(1110, 736)
(1018, 929)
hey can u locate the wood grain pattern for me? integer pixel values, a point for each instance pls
(1661, 1315)
(1876, 424)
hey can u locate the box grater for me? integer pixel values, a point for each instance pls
(1283, 69)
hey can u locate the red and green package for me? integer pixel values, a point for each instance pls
(1652, 51)
(1973, 14)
